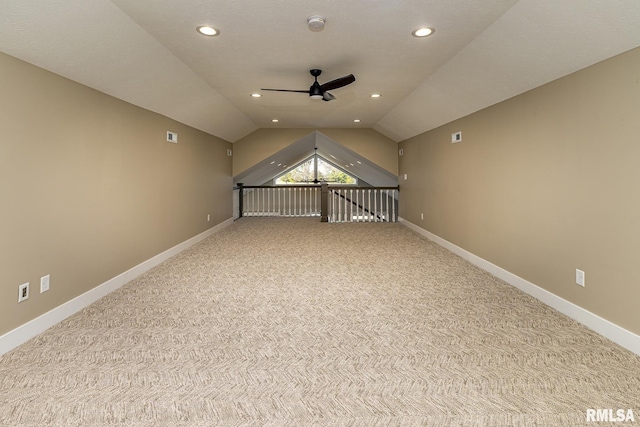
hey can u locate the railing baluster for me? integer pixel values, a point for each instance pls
(334, 208)
(393, 200)
(385, 218)
(375, 203)
(368, 204)
(331, 207)
(383, 207)
(345, 214)
(389, 200)
(386, 198)
(346, 205)
(350, 219)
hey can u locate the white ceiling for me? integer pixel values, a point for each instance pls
(147, 52)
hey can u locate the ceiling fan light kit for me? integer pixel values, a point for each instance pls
(316, 23)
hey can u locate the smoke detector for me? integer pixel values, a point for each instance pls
(316, 23)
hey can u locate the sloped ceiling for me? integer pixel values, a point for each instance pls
(148, 53)
(325, 147)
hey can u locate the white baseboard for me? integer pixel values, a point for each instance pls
(25, 332)
(615, 333)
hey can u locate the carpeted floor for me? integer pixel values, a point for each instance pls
(292, 322)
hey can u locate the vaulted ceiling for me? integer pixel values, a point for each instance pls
(332, 151)
(147, 52)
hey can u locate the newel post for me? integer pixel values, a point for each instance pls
(324, 202)
(240, 199)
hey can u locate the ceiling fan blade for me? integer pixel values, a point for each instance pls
(326, 96)
(288, 90)
(337, 83)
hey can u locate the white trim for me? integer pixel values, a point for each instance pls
(604, 327)
(25, 332)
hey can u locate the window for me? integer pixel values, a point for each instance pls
(305, 173)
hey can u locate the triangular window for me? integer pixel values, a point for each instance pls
(306, 173)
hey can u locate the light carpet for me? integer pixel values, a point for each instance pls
(293, 322)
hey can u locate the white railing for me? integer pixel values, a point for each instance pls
(331, 203)
(290, 200)
(363, 204)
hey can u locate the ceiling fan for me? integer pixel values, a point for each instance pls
(320, 91)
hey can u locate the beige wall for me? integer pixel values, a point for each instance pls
(542, 184)
(262, 143)
(89, 187)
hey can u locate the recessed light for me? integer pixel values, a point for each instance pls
(375, 95)
(275, 120)
(206, 30)
(356, 120)
(256, 95)
(422, 32)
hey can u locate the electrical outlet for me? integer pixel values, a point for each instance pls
(44, 283)
(208, 217)
(23, 292)
(580, 277)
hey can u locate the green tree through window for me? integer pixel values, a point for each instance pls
(305, 173)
